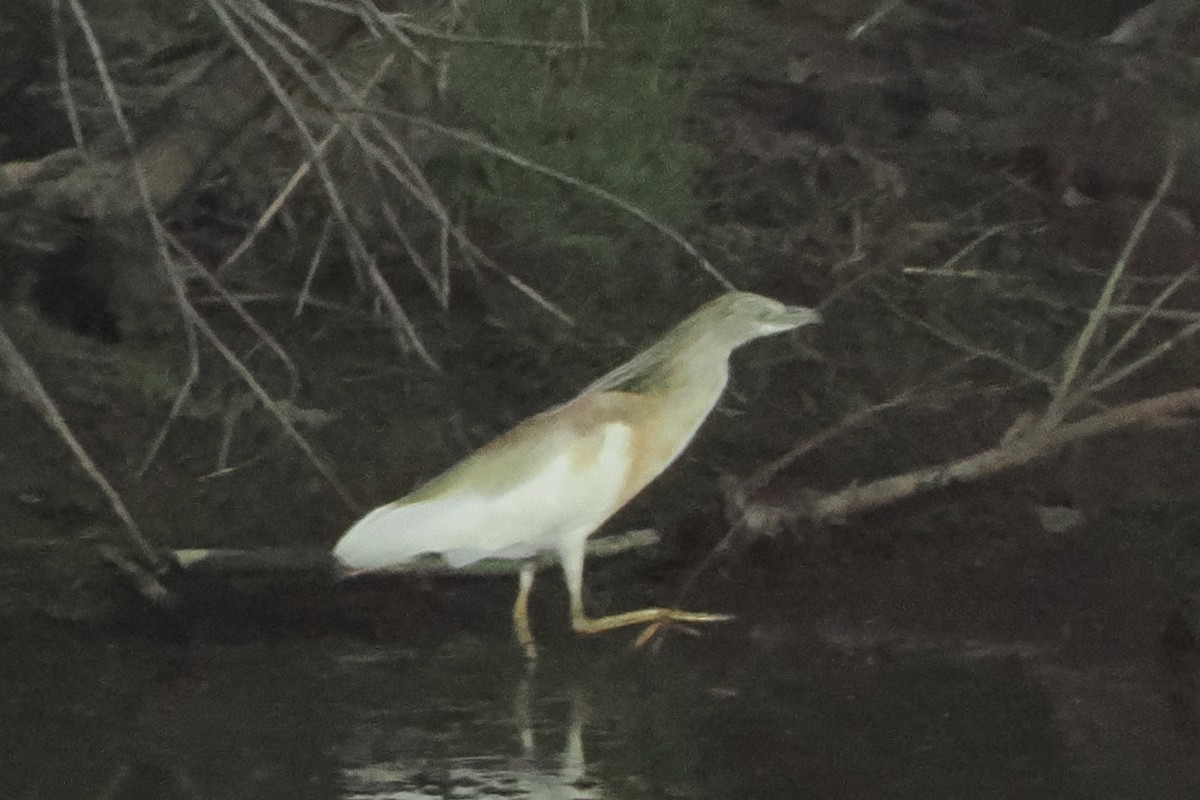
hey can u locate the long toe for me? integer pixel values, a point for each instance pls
(673, 617)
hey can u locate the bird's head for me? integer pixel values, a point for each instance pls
(711, 332)
(735, 318)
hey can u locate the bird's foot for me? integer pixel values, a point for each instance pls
(681, 620)
(656, 619)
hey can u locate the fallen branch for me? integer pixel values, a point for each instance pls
(1018, 448)
(201, 574)
(290, 561)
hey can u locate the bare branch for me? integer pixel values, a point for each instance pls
(1014, 451)
(957, 341)
(1095, 381)
(192, 318)
(25, 381)
(1065, 395)
(358, 247)
(64, 75)
(629, 208)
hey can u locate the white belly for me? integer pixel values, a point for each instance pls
(566, 498)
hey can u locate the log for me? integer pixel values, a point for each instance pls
(298, 562)
(299, 583)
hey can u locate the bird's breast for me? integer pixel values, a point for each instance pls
(667, 424)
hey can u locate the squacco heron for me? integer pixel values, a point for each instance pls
(550, 482)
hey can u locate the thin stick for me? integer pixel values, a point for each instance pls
(181, 397)
(354, 239)
(266, 399)
(313, 263)
(562, 177)
(298, 175)
(1065, 396)
(192, 318)
(410, 176)
(64, 75)
(960, 343)
(25, 381)
(434, 206)
(496, 41)
(1095, 375)
(1157, 352)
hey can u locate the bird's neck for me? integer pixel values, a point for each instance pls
(675, 397)
(698, 369)
(678, 382)
(676, 363)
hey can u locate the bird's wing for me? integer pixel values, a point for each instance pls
(561, 473)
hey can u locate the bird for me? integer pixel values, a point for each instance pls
(551, 481)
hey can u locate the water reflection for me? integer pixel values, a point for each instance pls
(424, 739)
(793, 717)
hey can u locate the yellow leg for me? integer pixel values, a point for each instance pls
(571, 555)
(655, 617)
(521, 613)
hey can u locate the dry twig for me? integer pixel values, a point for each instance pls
(25, 381)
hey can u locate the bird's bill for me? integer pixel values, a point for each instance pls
(796, 316)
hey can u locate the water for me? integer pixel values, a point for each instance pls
(830, 714)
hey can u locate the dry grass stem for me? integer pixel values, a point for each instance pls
(553, 46)
(25, 381)
(181, 397)
(193, 320)
(959, 342)
(1149, 357)
(1095, 379)
(1168, 314)
(583, 186)
(1067, 394)
(303, 298)
(64, 74)
(272, 405)
(357, 247)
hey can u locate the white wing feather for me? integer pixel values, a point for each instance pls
(562, 499)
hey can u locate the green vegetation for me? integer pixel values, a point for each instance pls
(611, 115)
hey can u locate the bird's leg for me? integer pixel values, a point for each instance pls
(572, 562)
(654, 616)
(521, 612)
